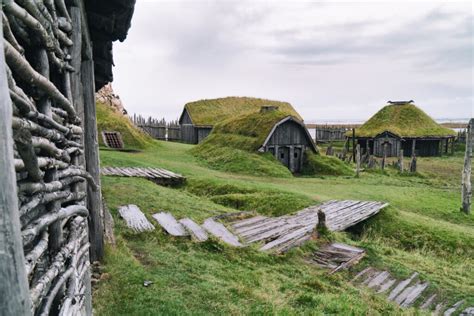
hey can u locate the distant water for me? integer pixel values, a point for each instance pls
(343, 122)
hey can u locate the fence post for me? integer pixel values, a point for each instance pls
(400, 160)
(466, 194)
(357, 160)
(14, 292)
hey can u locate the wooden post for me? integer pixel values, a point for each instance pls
(384, 158)
(413, 164)
(466, 194)
(353, 144)
(400, 160)
(357, 160)
(14, 292)
(91, 147)
(413, 146)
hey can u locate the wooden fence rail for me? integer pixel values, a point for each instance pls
(158, 129)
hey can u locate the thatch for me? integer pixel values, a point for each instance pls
(404, 120)
(210, 112)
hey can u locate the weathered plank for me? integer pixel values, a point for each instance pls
(14, 291)
(386, 285)
(196, 231)
(169, 223)
(401, 286)
(135, 219)
(219, 231)
(414, 294)
(428, 302)
(453, 308)
(158, 175)
(361, 273)
(466, 192)
(377, 281)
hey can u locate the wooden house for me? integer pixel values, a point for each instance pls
(199, 117)
(402, 125)
(269, 131)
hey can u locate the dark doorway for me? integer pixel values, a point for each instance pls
(297, 160)
(284, 155)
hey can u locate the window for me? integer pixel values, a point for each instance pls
(112, 139)
(295, 155)
(282, 155)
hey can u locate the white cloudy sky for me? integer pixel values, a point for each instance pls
(331, 60)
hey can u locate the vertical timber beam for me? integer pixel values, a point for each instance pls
(14, 292)
(357, 160)
(466, 195)
(91, 146)
(353, 145)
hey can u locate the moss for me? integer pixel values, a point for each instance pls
(324, 165)
(110, 120)
(210, 112)
(405, 120)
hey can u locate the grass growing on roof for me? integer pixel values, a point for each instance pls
(232, 145)
(110, 120)
(403, 120)
(212, 111)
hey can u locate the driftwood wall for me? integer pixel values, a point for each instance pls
(50, 210)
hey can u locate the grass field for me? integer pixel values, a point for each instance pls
(422, 230)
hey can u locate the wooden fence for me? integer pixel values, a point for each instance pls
(158, 129)
(49, 231)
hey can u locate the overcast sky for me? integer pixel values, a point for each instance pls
(331, 61)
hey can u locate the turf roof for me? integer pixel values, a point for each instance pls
(255, 127)
(213, 111)
(406, 120)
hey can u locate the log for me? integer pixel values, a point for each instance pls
(14, 284)
(32, 230)
(27, 153)
(39, 249)
(466, 192)
(21, 66)
(91, 151)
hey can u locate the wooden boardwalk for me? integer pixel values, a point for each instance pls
(282, 233)
(409, 292)
(157, 175)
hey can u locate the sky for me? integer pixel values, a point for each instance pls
(333, 61)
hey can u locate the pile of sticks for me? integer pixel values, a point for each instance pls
(41, 59)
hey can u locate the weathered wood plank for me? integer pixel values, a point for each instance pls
(453, 308)
(381, 277)
(219, 231)
(169, 223)
(14, 290)
(386, 285)
(248, 221)
(135, 219)
(401, 286)
(414, 294)
(196, 231)
(428, 302)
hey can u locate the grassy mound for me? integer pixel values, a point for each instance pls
(240, 197)
(210, 112)
(405, 120)
(109, 120)
(231, 153)
(324, 165)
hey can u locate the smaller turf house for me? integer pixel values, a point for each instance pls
(402, 125)
(199, 117)
(270, 130)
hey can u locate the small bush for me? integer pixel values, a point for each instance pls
(324, 165)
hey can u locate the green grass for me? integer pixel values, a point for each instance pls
(403, 120)
(422, 230)
(110, 120)
(325, 166)
(213, 111)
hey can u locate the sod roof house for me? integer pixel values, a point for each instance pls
(402, 125)
(268, 130)
(199, 117)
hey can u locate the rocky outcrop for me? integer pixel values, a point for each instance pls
(107, 96)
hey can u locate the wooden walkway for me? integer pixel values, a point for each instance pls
(157, 175)
(409, 292)
(282, 233)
